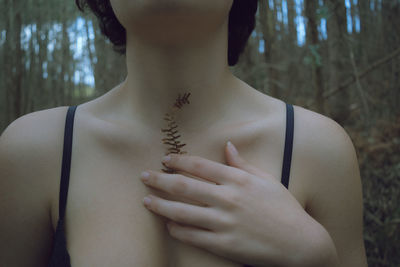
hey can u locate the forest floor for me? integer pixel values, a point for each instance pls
(379, 161)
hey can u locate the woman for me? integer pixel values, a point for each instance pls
(227, 209)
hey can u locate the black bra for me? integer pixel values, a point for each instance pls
(59, 255)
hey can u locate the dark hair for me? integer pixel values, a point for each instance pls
(241, 25)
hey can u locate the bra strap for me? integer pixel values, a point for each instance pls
(66, 161)
(287, 156)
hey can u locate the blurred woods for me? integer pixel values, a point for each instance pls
(340, 58)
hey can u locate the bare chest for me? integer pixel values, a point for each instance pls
(106, 222)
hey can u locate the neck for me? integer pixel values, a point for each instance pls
(159, 71)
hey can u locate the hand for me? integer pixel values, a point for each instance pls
(246, 216)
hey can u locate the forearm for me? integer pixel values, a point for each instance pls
(317, 248)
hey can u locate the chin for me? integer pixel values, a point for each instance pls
(176, 17)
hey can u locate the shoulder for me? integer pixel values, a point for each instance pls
(31, 151)
(321, 136)
(326, 157)
(30, 162)
(32, 139)
(323, 142)
(324, 146)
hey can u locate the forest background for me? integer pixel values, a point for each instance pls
(340, 58)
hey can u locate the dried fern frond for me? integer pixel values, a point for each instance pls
(172, 130)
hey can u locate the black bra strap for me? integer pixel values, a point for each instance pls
(66, 161)
(287, 156)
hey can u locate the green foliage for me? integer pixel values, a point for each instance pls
(380, 171)
(394, 3)
(382, 213)
(313, 58)
(323, 12)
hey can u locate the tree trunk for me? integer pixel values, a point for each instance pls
(89, 48)
(337, 31)
(17, 70)
(313, 44)
(64, 56)
(268, 20)
(291, 23)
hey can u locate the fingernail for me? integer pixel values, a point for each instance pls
(232, 148)
(144, 176)
(146, 201)
(166, 159)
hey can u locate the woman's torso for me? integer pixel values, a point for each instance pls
(106, 223)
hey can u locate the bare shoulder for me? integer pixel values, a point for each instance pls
(30, 162)
(317, 132)
(324, 146)
(34, 140)
(31, 146)
(325, 155)
(323, 143)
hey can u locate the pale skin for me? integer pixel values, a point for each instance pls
(172, 49)
(230, 218)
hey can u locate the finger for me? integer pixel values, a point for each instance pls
(189, 188)
(235, 160)
(194, 236)
(207, 169)
(204, 217)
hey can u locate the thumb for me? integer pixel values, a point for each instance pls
(235, 160)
